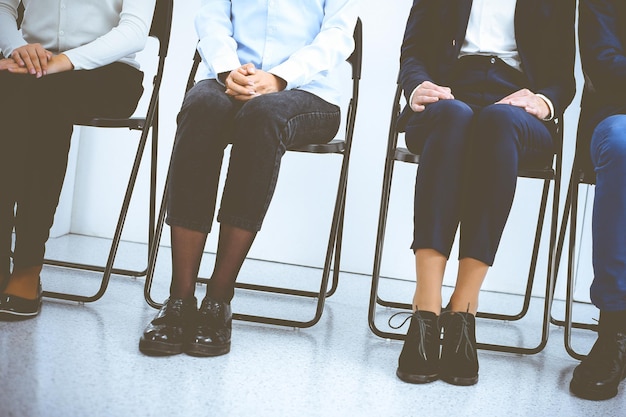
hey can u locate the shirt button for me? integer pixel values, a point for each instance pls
(61, 33)
(493, 60)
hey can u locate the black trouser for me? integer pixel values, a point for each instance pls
(36, 119)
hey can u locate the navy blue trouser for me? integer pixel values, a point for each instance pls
(37, 117)
(261, 130)
(608, 154)
(470, 150)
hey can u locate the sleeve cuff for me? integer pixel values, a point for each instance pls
(550, 106)
(411, 96)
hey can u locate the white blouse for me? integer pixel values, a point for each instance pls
(91, 33)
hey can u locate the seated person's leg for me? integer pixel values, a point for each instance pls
(204, 130)
(54, 103)
(440, 135)
(505, 138)
(600, 373)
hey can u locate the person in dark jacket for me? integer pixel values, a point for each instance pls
(485, 83)
(601, 151)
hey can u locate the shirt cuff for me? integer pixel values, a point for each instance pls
(411, 96)
(550, 106)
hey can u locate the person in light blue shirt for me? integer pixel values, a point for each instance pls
(268, 82)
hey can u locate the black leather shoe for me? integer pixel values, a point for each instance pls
(459, 359)
(213, 329)
(598, 376)
(165, 335)
(419, 360)
(13, 307)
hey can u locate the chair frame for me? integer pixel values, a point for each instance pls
(333, 253)
(551, 174)
(570, 217)
(160, 29)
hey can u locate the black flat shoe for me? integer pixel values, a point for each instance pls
(166, 333)
(459, 359)
(13, 307)
(213, 329)
(419, 360)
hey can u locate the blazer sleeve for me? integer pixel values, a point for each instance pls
(417, 47)
(602, 51)
(551, 56)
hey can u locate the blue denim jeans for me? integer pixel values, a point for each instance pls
(470, 150)
(260, 131)
(608, 154)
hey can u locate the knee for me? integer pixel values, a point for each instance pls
(499, 118)
(499, 125)
(443, 124)
(204, 103)
(260, 111)
(259, 121)
(608, 143)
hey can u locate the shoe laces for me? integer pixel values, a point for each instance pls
(464, 336)
(421, 323)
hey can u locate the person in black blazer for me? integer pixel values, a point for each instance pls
(601, 150)
(485, 82)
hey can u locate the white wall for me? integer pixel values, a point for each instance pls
(296, 227)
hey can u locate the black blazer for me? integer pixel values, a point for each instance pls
(544, 31)
(602, 38)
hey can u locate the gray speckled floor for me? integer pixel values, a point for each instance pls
(82, 360)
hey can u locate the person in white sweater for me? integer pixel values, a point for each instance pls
(66, 61)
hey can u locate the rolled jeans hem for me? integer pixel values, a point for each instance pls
(190, 225)
(239, 222)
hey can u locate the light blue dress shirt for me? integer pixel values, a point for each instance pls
(303, 42)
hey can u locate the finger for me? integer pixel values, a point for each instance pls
(28, 63)
(34, 59)
(250, 68)
(42, 58)
(238, 89)
(18, 59)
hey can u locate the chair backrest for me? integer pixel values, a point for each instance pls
(162, 24)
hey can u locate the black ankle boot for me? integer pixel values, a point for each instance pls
(211, 336)
(600, 373)
(165, 335)
(459, 360)
(419, 359)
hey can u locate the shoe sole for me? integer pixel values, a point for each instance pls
(595, 394)
(153, 348)
(416, 379)
(8, 315)
(460, 381)
(206, 351)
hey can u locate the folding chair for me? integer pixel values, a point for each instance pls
(333, 253)
(548, 174)
(160, 30)
(581, 175)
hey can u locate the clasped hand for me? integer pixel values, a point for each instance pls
(35, 60)
(247, 82)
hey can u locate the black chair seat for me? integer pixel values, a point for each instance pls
(133, 123)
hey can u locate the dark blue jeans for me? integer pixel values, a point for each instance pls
(608, 153)
(37, 117)
(470, 152)
(260, 131)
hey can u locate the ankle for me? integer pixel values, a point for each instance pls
(24, 282)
